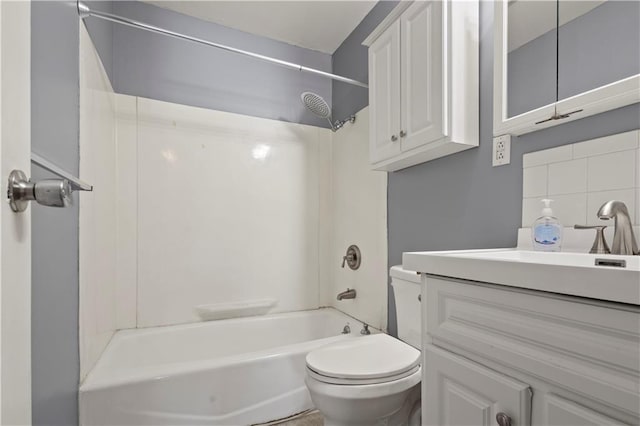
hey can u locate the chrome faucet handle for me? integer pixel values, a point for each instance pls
(600, 245)
(353, 258)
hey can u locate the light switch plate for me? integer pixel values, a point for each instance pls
(501, 150)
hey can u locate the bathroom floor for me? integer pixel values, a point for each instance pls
(308, 418)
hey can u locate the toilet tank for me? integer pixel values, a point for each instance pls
(406, 289)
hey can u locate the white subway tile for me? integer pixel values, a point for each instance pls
(534, 181)
(568, 177)
(570, 209)
(612, 171)
(596, 199)
(531, 208)
(547, 156)
(608, 144)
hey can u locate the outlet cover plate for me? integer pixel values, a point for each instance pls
(501, 150)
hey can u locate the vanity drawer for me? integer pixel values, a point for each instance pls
(586, 346)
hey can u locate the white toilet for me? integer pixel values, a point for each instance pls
(375, 379)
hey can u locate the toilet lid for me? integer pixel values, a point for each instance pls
(369, 357)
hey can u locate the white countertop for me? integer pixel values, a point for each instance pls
(574, 274)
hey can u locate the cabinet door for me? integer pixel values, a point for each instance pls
(459, 392)
(384, 95)
(421, 68)
(562, 412)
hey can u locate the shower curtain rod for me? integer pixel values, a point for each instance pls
(84, 11)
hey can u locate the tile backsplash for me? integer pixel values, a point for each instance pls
(581, 177)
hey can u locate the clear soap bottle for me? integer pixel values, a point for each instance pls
(546, 231)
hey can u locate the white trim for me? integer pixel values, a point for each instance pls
(15, 228)
(386, 22)
(611, 96)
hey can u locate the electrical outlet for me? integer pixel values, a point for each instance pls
(501, 150)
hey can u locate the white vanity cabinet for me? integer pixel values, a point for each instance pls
(461, 392)
(423, 83)
(537, 357)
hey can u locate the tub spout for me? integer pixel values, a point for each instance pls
(349, 294)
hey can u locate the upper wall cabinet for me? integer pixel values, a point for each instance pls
(423, 83)
(558, 61)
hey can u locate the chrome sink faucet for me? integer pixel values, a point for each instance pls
(624, 242)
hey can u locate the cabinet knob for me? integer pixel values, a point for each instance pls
(403, 133)
(503, 419)
(394, 138)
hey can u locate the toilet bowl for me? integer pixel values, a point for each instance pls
(375, 379)
(368, 380)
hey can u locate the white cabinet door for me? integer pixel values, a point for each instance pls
(562, 412)
(384, 95)
(459, 392)
(421, 68)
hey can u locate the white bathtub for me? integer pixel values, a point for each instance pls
(229, 372)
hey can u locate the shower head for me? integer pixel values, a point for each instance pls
(316, 104)
(320, 107)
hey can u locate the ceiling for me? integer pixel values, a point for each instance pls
(317, 25)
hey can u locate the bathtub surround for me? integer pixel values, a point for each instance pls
(265, 193)
(281, 205)
(98, 209)
(358, 216)
(245, 228)
(54, 293)
(159, 67)
(127, 219)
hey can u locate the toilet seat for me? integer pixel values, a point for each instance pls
(373, 359)
(372, 381)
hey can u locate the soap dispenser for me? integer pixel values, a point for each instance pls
(546, 231)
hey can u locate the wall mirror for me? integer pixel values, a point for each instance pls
(562, 60)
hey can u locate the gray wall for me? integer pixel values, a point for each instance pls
(54, 127)
(460, 201)
(101, 33)
(348, 60)
(596, 48)
(158, 67)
